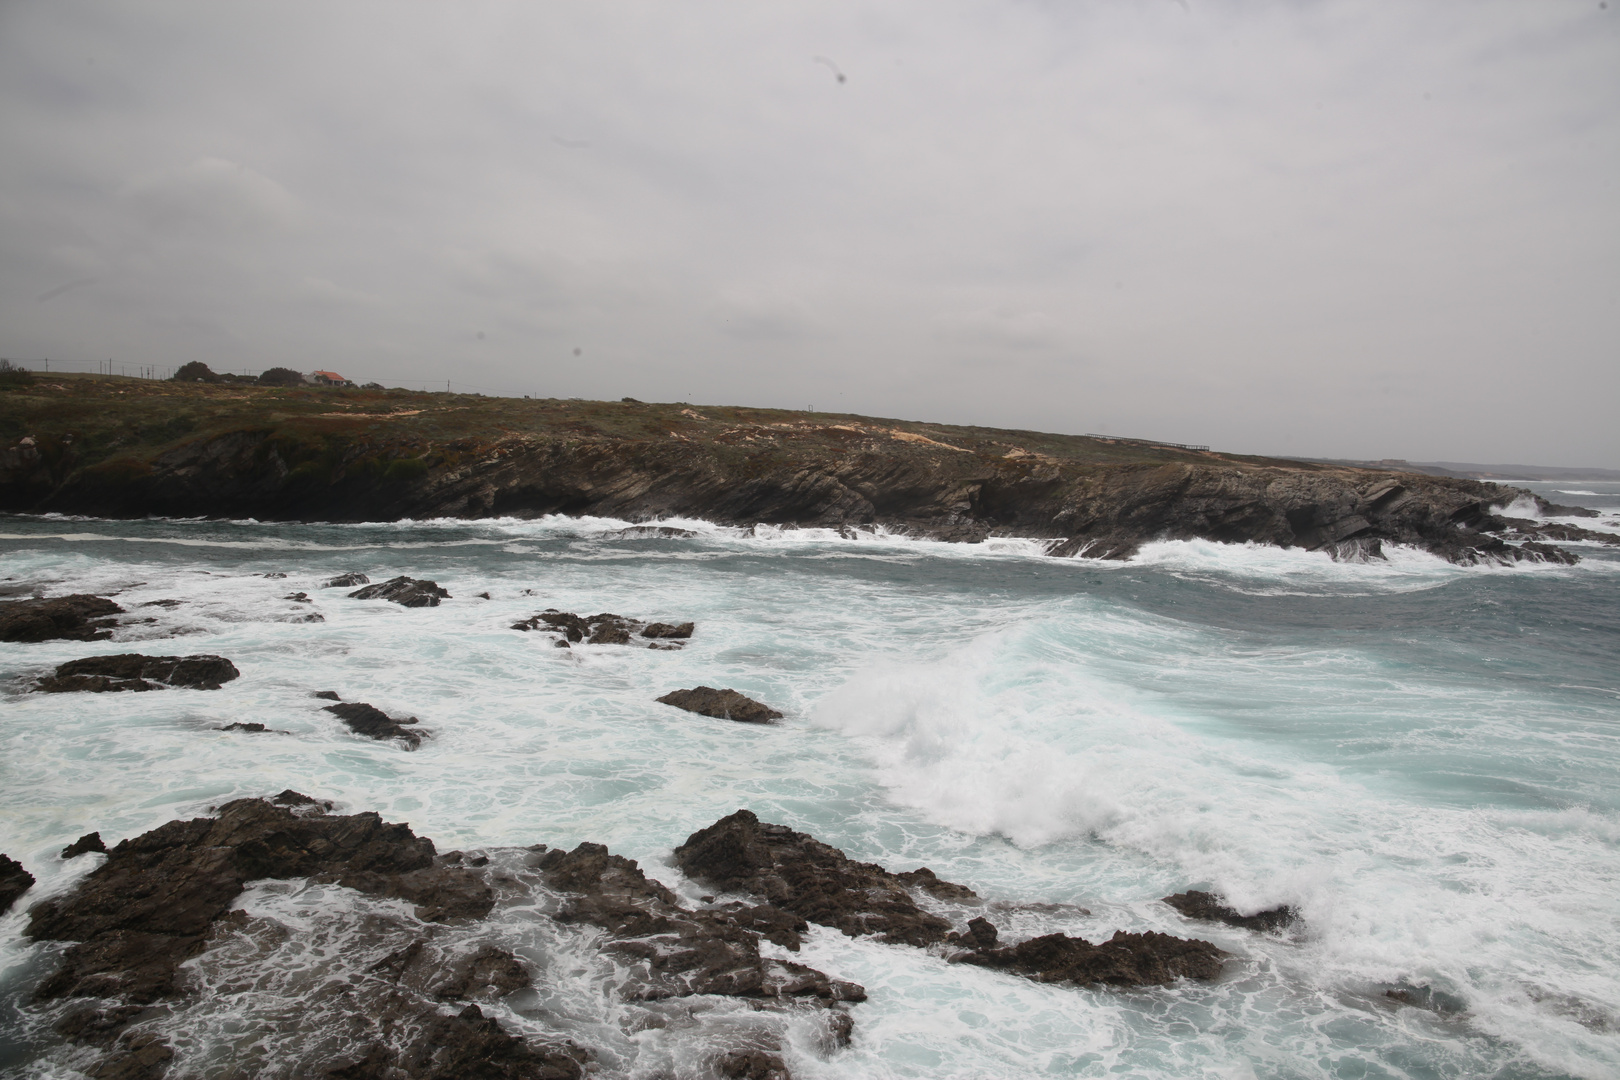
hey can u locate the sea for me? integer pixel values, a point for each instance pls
(1421, 758)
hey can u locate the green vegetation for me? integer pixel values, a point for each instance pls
(398, 435)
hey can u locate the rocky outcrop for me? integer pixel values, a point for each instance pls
(606, 629)
(149, 906)
(1100, 498)
(721, 704)
(678, 952)
(346, 581)
(405, 591)
(80, 617)
(84, 845)
(1207, 907)
(797, 873)
(1124, 960)
(373, 723)
(14, 881)
(132, 671)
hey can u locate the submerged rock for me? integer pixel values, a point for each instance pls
(346, 581)
(80, 617)
(1196, 904)
(681, 952)
(1150, 959)
(86, 843)
(132, 671)
(14, 881)
(652, 532)
(408, 592)
(798, 873)
(721, 704)
(373, 723)
(607, 629)
(146, 910)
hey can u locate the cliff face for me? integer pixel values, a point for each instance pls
(1090, 497)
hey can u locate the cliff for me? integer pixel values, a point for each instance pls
(120, 447)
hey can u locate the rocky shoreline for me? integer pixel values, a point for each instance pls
(145, 927)
(474, 458)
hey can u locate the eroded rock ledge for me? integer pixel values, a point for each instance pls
(417, 1010)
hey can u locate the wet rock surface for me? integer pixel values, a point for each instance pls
(405, 591)
(14, 881)
(83, 845)
(1124, 960)
(606, 629)
(373, 723)
(132, 671)
(1207, 907)
(148, 907)
(683, 952)
(346, 581)
(721, 704)
(80, 617)
(797, 873)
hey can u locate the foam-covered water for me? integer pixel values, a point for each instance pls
(1420, 757)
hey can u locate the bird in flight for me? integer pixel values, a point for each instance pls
(830, 66)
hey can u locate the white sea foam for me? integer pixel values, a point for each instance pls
(1098, 734)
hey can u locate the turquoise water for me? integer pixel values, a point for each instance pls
(1420, 757)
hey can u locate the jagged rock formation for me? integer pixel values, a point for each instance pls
(606, 629)
(79, 617)
(721, 704)
(373, 723)
(797, 873)
(405, 591)
(14, 881)
(346, 581)
(682, 952)
(132, 671)
(1196, 904)
(1150, 959)
(165, 896)
(83, 845)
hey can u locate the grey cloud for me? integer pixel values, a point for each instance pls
(1336, 228)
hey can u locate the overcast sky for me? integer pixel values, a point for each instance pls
(1361, 229)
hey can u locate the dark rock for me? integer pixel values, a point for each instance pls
(298, 598)
(466, 1045)
(721, 704)
(97, 1027)
(252, 728)
(274, 574)
(132, 671)
(86, 843)
(981, 935)
(14, 881)
(346, 581)
(408, 592)
(1124, 960)
(489, 973)
(139, 1056)
(79, 617)
(148, 907)
(652, 532)
(682, 952)
(163, 603)
(606, 629)
(483, 596)
(296, 799)
(373, 723)
(1196, 904)
(798, 873)
(326, 695)
(751, 1065)
(925, 879)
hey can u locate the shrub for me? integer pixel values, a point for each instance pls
(281, 376)
(12, 375)
(404, 469)
(195, 371)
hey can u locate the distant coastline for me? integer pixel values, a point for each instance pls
(113, 446)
